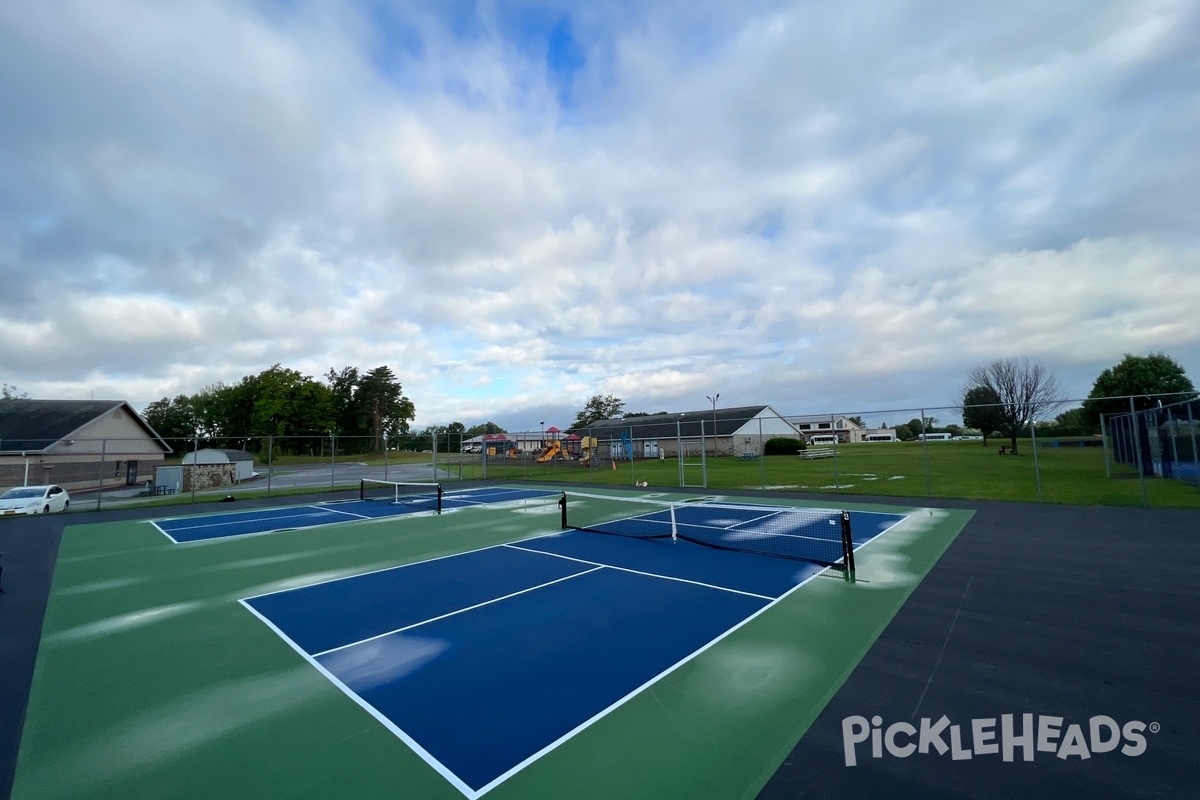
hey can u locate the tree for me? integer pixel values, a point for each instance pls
(982, 410)
(485, 428)
(386, 408)
(598, 408)
(904, 433)
(370, 404)
(1025, 389)
(1141, 377)
(10, 393)
(858, 421)
(1072, 422)
(172, 419)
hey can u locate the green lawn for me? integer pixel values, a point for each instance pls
(1070, 475)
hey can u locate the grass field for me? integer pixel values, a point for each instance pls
(1071, 475)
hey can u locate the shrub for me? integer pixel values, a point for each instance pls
(782, 446)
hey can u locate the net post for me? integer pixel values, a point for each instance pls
(674, 527)
(848, 546)
(440, 492)
(562, 507)
(362, 489)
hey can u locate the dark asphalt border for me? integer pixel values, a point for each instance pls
(1051, 610)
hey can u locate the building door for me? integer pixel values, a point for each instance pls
(130, 473)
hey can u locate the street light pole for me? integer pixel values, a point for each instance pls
(714, 400)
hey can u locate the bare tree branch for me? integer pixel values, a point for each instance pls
(1026, 391)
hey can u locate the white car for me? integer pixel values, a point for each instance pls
(34, 500)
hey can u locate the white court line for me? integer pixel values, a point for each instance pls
(381, 718)
(640, 572)
(349, 513)
(459, 611)
(255, 519)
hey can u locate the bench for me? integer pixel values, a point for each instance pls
(818, 452)
(748, 456)
(155, 491)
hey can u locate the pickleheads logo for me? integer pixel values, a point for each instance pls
(1046, 734)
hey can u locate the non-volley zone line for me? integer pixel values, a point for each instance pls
(490, 495)
(274, 520)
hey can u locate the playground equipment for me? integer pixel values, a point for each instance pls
(550, 451)
(587, 446)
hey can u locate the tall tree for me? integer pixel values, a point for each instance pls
(343, 386)
(1150, 380)
(983, 410)
(1025, 388)
(370, 404)
(384, 406)
(598, 408)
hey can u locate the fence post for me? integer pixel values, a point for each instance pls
(270, 462)
(762, 457)
(100, 488)
(195, 466)
(679, 450)
(925, 449)
(1104, 447)
(837, 481)
(1137, 443)
(1195, 454)
(1037, 473)
(1173, 429)
(632, 469)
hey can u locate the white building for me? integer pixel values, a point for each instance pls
(723, 431)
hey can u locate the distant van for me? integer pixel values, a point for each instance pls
(935, 437)
(823, 439)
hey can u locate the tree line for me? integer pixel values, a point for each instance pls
(1007, 396)
(363, 409)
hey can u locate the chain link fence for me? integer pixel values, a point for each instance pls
(1143, 458)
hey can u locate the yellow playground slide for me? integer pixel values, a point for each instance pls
(551, 450)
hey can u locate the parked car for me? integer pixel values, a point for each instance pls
(34, 500)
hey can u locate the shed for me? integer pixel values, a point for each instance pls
(242, 461)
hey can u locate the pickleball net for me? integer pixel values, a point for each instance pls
(428, 495)
(819, 536)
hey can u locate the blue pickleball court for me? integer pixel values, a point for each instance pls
(485, 660)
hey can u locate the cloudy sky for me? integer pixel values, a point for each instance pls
(825, 205)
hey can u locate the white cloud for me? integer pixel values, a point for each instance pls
(814, 205)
